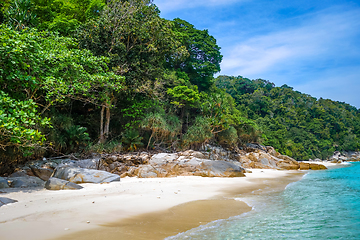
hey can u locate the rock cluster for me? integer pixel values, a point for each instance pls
(211, 161)
(339, 157)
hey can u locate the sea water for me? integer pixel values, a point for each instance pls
(322, 205)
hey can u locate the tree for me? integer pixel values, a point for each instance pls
(50, 69)
(65, 16)
(204, 54)
(19, 121)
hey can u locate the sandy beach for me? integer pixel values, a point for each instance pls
(134, 208)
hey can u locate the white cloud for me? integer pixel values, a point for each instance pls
(340, 84)
(323, 37)
(171, 5)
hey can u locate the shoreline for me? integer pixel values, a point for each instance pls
(70, 214)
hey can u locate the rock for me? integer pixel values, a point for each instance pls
(223, 169)
(270, 150)
(20, 173)
(288, 166)
(315, 166)
(4, 201)
(3, 183)
(253, 146)
(60, 184)
(42, 173)
(317, 160)
(87, 163)
(163, 158)
(198, 155)
(146, 171)
(82, 175)
(304, 166)
(26, 182)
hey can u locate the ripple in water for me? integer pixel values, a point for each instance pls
(323, 205)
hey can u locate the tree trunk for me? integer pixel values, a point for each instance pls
(107, 124)
(102, 137)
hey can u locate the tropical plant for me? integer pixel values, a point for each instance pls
(131, 140)
(20, 14)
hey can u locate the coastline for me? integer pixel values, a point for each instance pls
(102, 208)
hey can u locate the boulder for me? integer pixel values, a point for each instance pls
(270, 150)
(223, 168)
(315, 166)
(3, 183)
(304, 166)
(4, 201)
(26, 182)
(20, 173)
(146, 171)
(82, 175)
(60, 184)
(254, 146)
(286, 165)
(198, 155)
(42, 173)
(163, 158)
(87, 163)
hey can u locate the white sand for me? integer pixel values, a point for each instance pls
(45, 214)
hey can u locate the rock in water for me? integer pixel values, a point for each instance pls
(60, 184)
(82, 175)
(4, 201)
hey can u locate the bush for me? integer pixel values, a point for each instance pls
(228, 137)
(198, 133)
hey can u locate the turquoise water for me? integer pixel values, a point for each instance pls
(323, 205)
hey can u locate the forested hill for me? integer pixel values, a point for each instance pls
(85, 76)
(295, 123)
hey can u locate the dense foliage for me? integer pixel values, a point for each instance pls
(296, 124)
(112, 75)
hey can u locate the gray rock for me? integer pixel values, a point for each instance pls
(87, 163)
(4, 201)
(3, 183)
(26, 182)
(223, 168)
(60, 184)
(21, 173)
(42, 173)
(163, 158)
(82, 175)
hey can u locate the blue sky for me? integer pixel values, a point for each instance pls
(313, 46)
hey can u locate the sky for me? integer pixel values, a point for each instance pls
(312, 46)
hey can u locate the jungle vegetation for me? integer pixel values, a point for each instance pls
(81, 76)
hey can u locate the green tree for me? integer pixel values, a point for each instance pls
(204, 54)
(51, 69)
